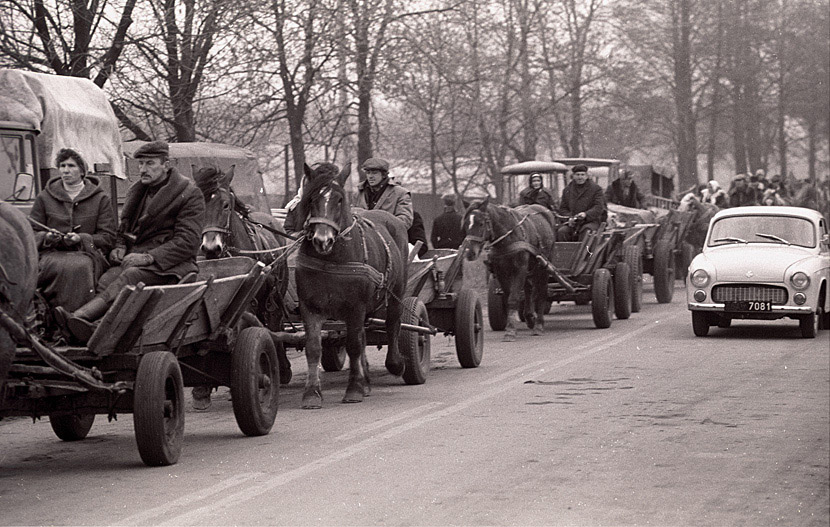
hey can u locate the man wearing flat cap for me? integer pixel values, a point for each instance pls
(446, 228)
(378, 192)
(624, 191)
(584, 203)
(158, 237)
(741, 194)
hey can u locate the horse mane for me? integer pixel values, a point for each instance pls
(209, 180)
(322, 176)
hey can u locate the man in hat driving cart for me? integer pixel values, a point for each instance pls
(158, 237)
(583, 203)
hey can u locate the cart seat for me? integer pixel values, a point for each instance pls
(224, 267)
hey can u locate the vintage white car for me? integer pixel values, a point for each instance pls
(762, 263)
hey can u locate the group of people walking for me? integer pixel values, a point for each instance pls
(745, 190)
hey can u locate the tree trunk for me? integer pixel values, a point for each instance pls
(686, 133)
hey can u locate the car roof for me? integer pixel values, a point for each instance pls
(761, 210)
(588, 161)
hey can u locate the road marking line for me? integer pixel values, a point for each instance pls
(385, 422)
(201, 515)
(513, 372)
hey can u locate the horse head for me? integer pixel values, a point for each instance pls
(324, 205)
(219, 209)
(477, 228)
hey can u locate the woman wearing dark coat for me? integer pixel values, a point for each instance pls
(536, 193)
(76, 230)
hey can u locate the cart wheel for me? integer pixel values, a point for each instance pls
(700, 323)
(158, 408)
(633, 256)
(334, 357)
(496, 306)
(602, 298)
(808, 325)
(255, 386)
(469, 329)
(71, 427)
(663, 272)
(414, 346)
(622, 291)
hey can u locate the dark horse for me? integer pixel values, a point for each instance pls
(18, 277)
(231, 230)
(514, 237)
(350, 264)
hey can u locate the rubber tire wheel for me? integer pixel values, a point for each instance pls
(496, 306)
(663, 272)
(622, 291)
(700, 323)
(255, 381)
(824, 320)
(633, 256)
(809, 325)
(158, 409)
(724, 322)
(414, 346)
(469, 329)
(334, 357)
(71, 427)
(602, 298)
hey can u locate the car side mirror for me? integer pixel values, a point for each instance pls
(23, 187)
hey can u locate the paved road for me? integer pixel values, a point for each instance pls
(638, 424)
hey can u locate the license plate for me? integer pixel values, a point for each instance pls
(751, 306)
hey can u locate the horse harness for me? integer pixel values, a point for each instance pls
(353, 269)
(510, 249)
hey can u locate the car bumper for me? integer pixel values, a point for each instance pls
(776, 310)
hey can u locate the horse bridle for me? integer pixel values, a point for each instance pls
(315, 220)
(489, 233)
(226, 230)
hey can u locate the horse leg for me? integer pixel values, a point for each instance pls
(540, 298)
(358, 386)
(394, 359)
(313, 394)
(529, 304)
(513, 292)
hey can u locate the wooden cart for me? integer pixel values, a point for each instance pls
(151, 343)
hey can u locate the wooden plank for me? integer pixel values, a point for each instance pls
(157, 329)
(118, 319)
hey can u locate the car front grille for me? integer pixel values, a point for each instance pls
(726, 293)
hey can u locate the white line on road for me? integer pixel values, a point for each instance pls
(171, 513)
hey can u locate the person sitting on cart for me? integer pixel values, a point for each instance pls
(446, 229)
(380, 192)
(159, 237)
(536, 193)
(583, 203)
(74, 229)
(624, 191)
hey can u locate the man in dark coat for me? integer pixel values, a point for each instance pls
(741, 194)
(535, 193)
(446, 229)
(623, 191)
(584, 203)
(417, 233)
(159, 236)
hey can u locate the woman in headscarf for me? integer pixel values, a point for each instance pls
(536, 193)
(74, 228)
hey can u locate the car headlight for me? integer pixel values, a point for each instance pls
(700, 278)
(800, 280)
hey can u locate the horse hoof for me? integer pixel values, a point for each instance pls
(313, 400)
(509, 338)
(537, 332)
(353, 397)
(395, 368)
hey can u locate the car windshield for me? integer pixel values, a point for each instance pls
(785, 230)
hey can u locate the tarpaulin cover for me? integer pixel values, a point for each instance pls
(188, 158)
(69, 112)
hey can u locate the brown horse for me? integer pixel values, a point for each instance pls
(231, 230)
(349, 266)
(514, 237)
(18, 277)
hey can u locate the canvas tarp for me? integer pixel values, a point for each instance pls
(68, 111)
(190, 157)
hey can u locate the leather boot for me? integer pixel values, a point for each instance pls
(82, 323)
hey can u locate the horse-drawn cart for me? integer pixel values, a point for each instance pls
(151, 343)
(583, 272)
(434, 301)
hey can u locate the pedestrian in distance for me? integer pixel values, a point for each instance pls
(446, 229)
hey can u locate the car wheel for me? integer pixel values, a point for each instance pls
(700, 323)
(809, 325)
